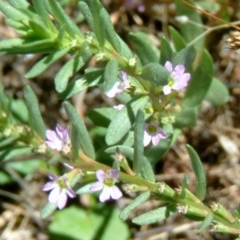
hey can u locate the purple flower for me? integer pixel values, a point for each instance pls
(106, 183)
(119, 87)
(132, 4)
(58, 139)
(60, 190)
(178, 79)
(152, 132)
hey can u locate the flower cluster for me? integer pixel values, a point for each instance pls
(178, 79)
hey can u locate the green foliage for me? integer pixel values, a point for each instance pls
(35, 118)
(199, 173)
(101, 223)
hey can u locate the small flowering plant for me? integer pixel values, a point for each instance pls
(106, 183)
(151, 71)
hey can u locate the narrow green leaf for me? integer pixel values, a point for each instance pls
(98, 23)
(79, 131)
(167, 52)
(19, 3)
(192, 29)
(11, 12)
(124, 120)
(110, 74)
(218, 93)
(63, 19)
(84, 8)
(84, 189)
(35, 118)
(147, 170)
(135, 203)
(178, 40)
(41, 10)
(89, 79)
(44, 63)
(154, 215)
(125, 50)
(156, 74)
(200, 82)
(138, 142)
(199, 173)
(24, 46)
(48, 209)
(110, 33)
(205, 223)
(143, 47)
(102, 116)
(67, 71)
(185, 57)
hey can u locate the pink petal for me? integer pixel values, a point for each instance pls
(168, 65)
(179, 69)
(114, 173)
(52, 176)
(96, 186)
(115, 192)
(54, 195)
(51, 136)
(62, 200)
(48, 186)
(70, 192)
(101, 175)
(155, 140)
(116, 89)
(57, 145)
(105, 194)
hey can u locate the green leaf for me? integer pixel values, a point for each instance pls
(48, 209)
(192, 29)
(89, 79)
(24, 46)
(218, 93)
(41, 10)
(185, 57)
(110, 74)
(177, 38)
(85, 10)
(124, 120)
(12, 13)
(84, 189)
(143, 47)
(186, 118)
(98, 223)
(199, 173)
(19, 110)
(63, 19)
(19, 3)
(154, 215)
(138, 142)
(206, 223)
(102, 116)
(79, 132)
(125, 150)
(200, 82)
(98, 26)
(156, 74)
(143, 197)
(35, 118)
(167, 52)
(67, 71)
(44, 63)
(147, 170)
(110, 33)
